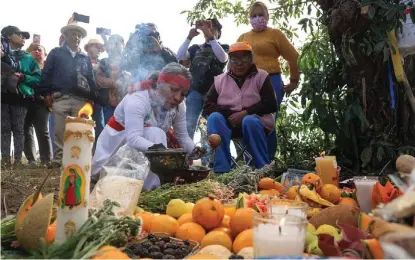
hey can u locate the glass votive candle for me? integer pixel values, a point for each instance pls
(229, 206)
(364, 188)
(279, 235)
(277, 206)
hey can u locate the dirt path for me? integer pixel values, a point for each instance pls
(17, 185)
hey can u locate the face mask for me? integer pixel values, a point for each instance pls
(259, 23)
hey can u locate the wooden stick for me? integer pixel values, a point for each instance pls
(37, 193)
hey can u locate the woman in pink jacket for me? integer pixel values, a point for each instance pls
(241, 103)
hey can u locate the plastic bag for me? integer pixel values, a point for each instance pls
(122, 180)
(406, 38)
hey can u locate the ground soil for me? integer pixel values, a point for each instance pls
(17, 185)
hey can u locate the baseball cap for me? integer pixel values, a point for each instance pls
(9, 30)
(240, 46)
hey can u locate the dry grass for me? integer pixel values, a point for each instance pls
(16, 185)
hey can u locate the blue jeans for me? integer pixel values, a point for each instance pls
(52, 131)
(108, 112)
(277, 84)
(98, 117)
(253, 135)
(194, 107)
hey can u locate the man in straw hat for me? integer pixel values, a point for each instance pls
(241, 104)
(67, 82)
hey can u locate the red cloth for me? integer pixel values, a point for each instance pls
(70, 196)
(115, 125)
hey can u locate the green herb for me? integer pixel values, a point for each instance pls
(157, 200)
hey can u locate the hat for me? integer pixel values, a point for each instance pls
(240, 46)
(94, 41)
(73, 25)
(9, 30)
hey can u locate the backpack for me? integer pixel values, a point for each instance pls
(204, 68)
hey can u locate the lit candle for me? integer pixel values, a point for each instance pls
(282, 235)
(287, 207)
(72, 210)
(326, 168)
(364, 188)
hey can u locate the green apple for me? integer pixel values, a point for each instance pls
(311, 228)
(314, 249)
(310, 237)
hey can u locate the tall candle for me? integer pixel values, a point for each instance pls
(326, 168)
(72, 210)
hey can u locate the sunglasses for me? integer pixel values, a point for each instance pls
(243, 60)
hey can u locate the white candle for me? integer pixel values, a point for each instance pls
(72, 210)
(278, 240)
(287, 207)
(364, 188)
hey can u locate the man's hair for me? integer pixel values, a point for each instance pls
(217, 25)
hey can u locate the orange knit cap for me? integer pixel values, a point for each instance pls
(240, 46)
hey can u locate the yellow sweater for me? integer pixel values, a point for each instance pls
(268, 46)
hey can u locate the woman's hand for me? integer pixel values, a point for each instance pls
(206, 30)
(290, 87)
(33, 46)
(236, 118)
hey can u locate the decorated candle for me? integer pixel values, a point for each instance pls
(279, 235)
(364, 188)
(72, 211)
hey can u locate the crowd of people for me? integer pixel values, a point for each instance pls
(143, 94)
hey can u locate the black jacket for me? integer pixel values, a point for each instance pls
(60, 73)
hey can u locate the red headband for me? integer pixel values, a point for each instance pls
(178, 80)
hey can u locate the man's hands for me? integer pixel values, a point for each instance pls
(236, 118)
(48, 100)
(192, 33)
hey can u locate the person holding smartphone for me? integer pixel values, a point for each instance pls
(207, 60)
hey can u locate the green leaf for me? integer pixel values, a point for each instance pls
(371, 12)
(379, 47)
(366, 156)
(309, 10)
(380, 154)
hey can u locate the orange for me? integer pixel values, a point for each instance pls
(266, 184)
(331, 193)
(292, 192)
(223, 229)
(244, 239)
(190, 231)
(313, 180)
(217, 238)
(208, 212)
(229, 209)
(185, 218)
(242, 220)
(110, 252)
(146, 218)
(225, 221)
(203, 256)
(348, 201)
(271, 192)
(279, 187)
(164, 224)
(51, 233)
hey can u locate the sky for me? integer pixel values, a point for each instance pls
(120, 16)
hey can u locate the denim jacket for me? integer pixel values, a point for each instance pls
(61, 70)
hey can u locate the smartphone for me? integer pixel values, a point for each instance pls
(80, 18)
(36, 38)
(103, 31)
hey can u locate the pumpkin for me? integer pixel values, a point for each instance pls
(208, 212)
(405, 163)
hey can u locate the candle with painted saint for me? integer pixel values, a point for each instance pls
(72, 210)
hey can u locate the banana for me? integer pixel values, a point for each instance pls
(313, 196)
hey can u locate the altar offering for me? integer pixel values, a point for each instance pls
(278, 206)
(364, 190)
(326, 168)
